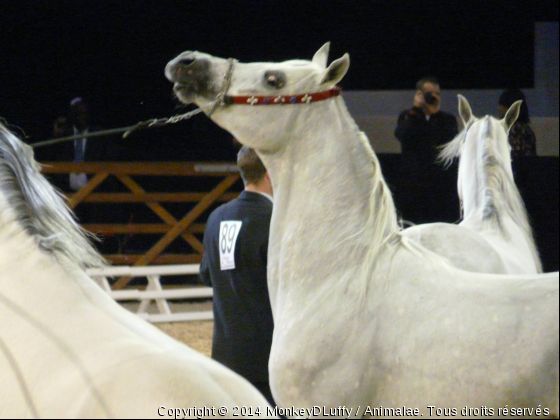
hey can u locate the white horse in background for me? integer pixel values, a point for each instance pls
(491, 202)
(67, 350)
(495, 220)
(364, 314)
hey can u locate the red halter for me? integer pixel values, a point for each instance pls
(283, 99)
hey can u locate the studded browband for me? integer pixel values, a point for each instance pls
(283, 99)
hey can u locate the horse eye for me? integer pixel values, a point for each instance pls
(276, 79)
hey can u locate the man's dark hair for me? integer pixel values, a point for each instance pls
(250, 166)
(427, 79)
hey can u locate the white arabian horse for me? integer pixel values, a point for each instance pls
(67, 350)
(364, 315)
(495, 220)
(491, 202)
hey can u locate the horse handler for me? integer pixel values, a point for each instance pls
(234, 265)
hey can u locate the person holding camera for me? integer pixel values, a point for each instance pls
(424, 127)
(421, 130)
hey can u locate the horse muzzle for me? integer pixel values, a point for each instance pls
(191, 76)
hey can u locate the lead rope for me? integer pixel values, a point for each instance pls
(219, 101)
(213, 105)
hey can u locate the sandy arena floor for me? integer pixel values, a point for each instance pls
(195, 334)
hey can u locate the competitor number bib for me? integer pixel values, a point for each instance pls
(229, 231)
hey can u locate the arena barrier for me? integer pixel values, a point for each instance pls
(158, 187)
(155, 292)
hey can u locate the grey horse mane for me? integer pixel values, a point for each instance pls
(500, 194)
(39, 208)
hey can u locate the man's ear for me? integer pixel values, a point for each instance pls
(336, 71)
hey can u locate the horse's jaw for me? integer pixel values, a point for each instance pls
(183, 94)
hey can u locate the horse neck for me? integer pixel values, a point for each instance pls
(485, 153)
(331, 200)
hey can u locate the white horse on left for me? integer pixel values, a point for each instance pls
(67, 350)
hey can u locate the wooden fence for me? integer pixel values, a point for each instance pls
(223, 177)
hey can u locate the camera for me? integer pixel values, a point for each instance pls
(430, 98)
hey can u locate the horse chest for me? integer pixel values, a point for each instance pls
(318, 334)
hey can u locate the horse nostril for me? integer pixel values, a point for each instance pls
(186, 61)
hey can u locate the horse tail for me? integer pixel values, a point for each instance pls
(499, 193)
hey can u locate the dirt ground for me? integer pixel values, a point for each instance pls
(195, 334)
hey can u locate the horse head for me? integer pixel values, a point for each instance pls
(467, 144)
(507, 122)
(201, 78)
(475, 143)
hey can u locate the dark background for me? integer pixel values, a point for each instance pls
(113, 53)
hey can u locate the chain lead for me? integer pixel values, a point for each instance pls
(155, 122)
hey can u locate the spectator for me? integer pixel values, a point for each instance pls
(425, 189)
(521, 136)
(235, 264)
(81, 150)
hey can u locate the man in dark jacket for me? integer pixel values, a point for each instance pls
(234, 264)
(425, 189)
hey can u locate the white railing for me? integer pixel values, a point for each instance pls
(154, 291)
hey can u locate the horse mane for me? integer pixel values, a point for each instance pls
(39, 208)
(382, 203)
(501, 195)
(499, 192)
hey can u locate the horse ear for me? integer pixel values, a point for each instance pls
(512, 114)
(465, 110)
(321, 57)
(336, 71)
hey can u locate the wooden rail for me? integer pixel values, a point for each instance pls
(155, 292)
(223, 177)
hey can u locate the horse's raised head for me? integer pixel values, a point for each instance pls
(201, 78)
